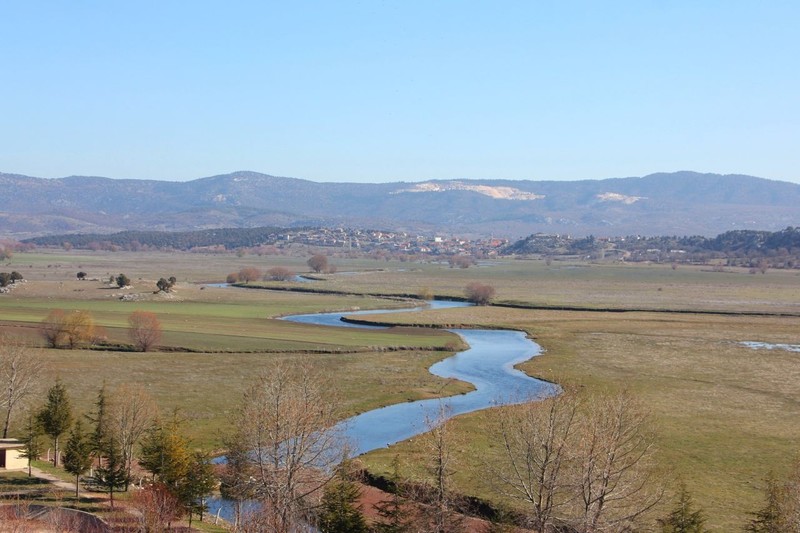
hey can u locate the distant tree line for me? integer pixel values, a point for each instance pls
(737, 247)
(747, 248)
(230, 238)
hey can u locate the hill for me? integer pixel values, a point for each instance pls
(681, 203)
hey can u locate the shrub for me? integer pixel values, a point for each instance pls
(318, 263)
(249, 274)
(122, 280)
(479, 293)
(279, 274)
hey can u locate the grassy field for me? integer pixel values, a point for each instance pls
(598, 286)
(523, 281)
(224, 337)
(725, 414)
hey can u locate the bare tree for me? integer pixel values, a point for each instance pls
(614, 470)
(157, 507)
(145, 330)
(460, 261)
(318, 263)
(279, 274)
(249, 274)
(52, 328)
(425, 293)
(479, 293)
(287, 421)
(78, 328)
(533, 457)
(20, 372)
(439, 448)
(582, 464)
(235, 482)
(130, 414)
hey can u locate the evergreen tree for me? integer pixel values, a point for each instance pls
(32, 442)
(683, 518)
(56, 416)
(165, 454)
(340, 512)
(769, 519)
(394, 517)
(100, 434)
(112, 475)
(77, 454)
(198, 483)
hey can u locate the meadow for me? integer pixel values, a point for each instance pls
(724, 414)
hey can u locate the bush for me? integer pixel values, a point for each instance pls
(165, 285)
(479, 293)
(122, 280)
(145, 330)
(318, 263)
(279, 274)
(249, 274)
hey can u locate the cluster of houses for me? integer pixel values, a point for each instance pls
(394, 242)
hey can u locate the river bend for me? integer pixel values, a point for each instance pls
(488, 364)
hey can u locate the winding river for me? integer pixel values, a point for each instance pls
(488, 364)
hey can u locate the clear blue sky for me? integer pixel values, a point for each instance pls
(403, 90)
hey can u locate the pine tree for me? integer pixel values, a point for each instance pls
(165, 454)
(99, 419)
(394, 517)
(198, 483)
(340, 512)
(112, 475)
(32, 442)
(77, 454)
(56, 416)
(683, 518)
(769, 519)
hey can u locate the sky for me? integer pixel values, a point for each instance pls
(405, 90)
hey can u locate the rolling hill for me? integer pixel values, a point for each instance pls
(681, 203)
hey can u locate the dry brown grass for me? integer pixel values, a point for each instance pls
(725, 415)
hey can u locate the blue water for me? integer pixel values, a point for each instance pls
(488, 365)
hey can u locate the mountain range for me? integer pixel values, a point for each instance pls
(679, 203)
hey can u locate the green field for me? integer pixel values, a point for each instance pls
(724, 414)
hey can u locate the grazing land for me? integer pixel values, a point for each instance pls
(724, 414)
